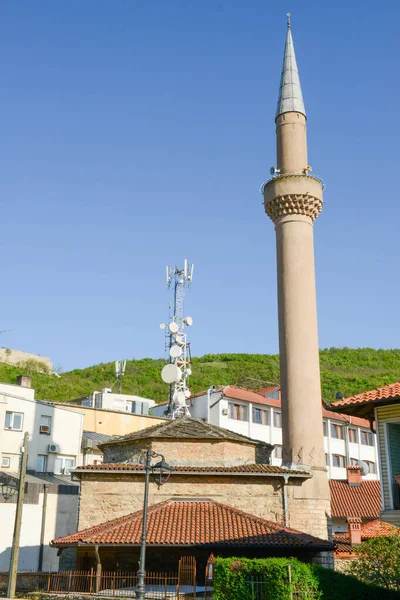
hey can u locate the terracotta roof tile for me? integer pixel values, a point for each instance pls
(252, 468)
(258, 397)
(203, 522)
(376, 528)
(184, 428)
(362, 500)
(382, 393)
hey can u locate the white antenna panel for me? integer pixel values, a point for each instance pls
(171, 373)
(180, 398)
(180, 339)
(175, 351)
(174, 327)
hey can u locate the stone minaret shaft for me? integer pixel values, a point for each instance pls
(293, 200)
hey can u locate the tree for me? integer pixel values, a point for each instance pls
(378, 562)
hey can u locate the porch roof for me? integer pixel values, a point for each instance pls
(183, 522)
(363, 404)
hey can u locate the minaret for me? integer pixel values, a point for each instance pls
(293, 200)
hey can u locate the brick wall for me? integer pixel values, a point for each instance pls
(105, 497)
(192, 452)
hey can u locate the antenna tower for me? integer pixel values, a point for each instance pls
(120, 372)
(178, 370)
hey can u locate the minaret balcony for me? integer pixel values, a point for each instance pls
(288, 194)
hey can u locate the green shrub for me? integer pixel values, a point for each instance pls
(233, 577)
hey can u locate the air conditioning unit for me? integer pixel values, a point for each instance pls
(54, 448)
(45, 429)
(87, 443)
(225, 412)
(65, 471)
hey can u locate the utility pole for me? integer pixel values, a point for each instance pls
(12, 576)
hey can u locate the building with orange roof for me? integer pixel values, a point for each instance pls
(223, 495)
(381, 407)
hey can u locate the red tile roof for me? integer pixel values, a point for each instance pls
(376, 528)
(391, 391)
(362, 500)
(203, 522)
(252, 468)
(257, 397)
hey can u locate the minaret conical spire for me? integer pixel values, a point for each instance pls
(290, 96)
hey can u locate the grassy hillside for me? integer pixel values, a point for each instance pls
(342, 369)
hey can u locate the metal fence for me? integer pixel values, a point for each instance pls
(259, 590)
(159, 586)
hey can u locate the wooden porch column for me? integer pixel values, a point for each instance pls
(98, 569)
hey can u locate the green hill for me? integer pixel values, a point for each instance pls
(342, 369)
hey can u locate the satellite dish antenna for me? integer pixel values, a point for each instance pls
(175, 351)
(180, 339)
(171, 373)
(188, 321)
(162, 325)
(188, 372)
(174, 327)
(187, 393)
(364, 467)
(339, 396)
(272, 171)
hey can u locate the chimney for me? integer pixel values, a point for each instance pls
(354, 530)
(24, 381)
(354, 475)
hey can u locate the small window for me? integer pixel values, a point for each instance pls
(237, 411)
(277, 419)
(63, 464)
(13, 421)
(278, 451)
(338, 461)
(352, 435)
(367, 438)
(5, 462)
(260, 416)
(45, 425)
(336, 431)
(325, 428)
(41, 463)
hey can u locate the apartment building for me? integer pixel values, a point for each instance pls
(108, 400)
(51, 499)
(258, 416)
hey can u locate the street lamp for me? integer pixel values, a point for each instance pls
(8, 487)
(160, 473)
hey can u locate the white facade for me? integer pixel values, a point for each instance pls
(54, 433)
(108, 400)
(259, 417)
(55, 436)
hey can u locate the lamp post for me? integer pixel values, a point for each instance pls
(8, 489)
(160, 472)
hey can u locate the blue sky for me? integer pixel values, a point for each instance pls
(137, 133)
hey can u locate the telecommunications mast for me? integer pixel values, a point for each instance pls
(177, 371)
(120, 372)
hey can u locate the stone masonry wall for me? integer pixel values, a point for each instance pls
(309, 505)
(15, 357)
(105, 497)
(184, 453)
